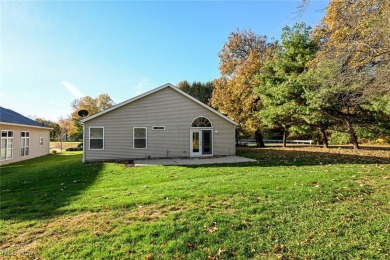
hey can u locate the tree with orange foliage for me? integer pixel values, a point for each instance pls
(92, 105)
(241, 58)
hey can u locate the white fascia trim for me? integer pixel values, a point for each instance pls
(32, 126)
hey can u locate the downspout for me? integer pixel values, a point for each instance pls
(83, 143)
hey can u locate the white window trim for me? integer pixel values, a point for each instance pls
(7, 138)
(40, 140)
(193, 127)
(155, 128)
(21, 143)
(146, 138)
(89, 138)
(200, 129)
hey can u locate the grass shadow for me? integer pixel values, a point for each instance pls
(38, 188)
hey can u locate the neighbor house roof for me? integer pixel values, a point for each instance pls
(9, 116)
(168, 85)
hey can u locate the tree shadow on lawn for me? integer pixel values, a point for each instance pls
(38, 188)
(293, 156)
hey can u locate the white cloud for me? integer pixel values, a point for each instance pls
(72, 89)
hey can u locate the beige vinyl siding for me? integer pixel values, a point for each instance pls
(166, 108)
(35, 149)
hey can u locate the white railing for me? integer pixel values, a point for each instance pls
(251, 142)
(290, 141)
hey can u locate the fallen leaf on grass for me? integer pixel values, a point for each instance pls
(220, 251)
(315, 184)
(191, 246)
(279, 248)
(212, 229)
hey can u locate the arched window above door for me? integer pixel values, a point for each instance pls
(201, 122)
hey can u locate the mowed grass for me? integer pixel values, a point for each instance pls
(291, 203)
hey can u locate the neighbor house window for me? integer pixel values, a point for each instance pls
(25, 143)
(96, 138)
(41, 141)
(139, 137)
(158, 128)
(7, 138)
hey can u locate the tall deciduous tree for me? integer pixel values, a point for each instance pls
(66, 127)
(92, 105)
(241, 58)
(200, 91)
(55, 132)
(352, 66)
(280, 89)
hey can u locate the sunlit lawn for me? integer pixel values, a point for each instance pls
(292, 203)
(62, 146)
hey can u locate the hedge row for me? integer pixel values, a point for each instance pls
(74, 149)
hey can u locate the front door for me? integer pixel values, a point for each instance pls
(201, 142)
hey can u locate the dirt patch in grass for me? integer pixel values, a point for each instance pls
(151, 213)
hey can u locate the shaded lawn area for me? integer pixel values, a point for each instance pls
(292, 203)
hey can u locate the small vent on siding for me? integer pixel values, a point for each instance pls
(158, 128)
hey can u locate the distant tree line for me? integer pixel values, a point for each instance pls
(198, 90)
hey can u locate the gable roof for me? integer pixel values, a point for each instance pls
(168, 85)
(11, 117)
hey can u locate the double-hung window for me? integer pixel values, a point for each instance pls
(140, 138)
(25, 143)
(96, 138)
(7, 138)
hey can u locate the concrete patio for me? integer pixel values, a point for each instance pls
(192, 161)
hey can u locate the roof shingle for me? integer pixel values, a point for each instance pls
(10, 116)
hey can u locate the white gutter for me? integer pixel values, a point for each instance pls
(32, 126)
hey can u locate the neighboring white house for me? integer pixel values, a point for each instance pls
(21, 138)
(164, 122)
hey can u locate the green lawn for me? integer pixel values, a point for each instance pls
(292, 203)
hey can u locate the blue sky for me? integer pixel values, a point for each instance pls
(52, 52)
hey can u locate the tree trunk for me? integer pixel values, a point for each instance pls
(284, 138)
(324, 137)
(259, 139)
(353, 136)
